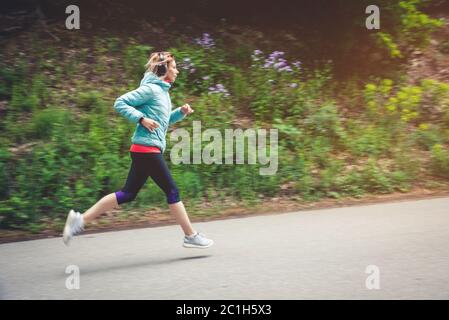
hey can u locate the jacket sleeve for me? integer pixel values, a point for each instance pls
(175, 116)
(127, 103)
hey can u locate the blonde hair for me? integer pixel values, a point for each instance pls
(154, 60)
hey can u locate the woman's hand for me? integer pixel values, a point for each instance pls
(149, 124)
(186, 109)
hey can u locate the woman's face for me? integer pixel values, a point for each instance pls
(172, 72)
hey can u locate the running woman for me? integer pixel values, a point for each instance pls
(149, 106)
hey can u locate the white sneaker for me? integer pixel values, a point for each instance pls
(73, 225)
(198, 240)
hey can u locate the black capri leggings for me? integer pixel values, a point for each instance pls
(144, 165)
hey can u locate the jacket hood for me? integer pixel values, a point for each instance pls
(150, 77)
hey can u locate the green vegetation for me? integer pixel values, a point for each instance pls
(63, 145)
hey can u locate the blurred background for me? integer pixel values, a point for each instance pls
(359, 112)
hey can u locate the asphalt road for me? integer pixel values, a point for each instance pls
(394, 250)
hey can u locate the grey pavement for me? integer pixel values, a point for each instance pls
(397, 250)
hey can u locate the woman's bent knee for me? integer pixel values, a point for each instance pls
(123, 196)
(173, 196)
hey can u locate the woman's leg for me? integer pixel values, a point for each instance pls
(103, 205)
(160, 174)
(136, 179)
(179, 212)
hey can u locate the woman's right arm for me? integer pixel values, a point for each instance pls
(127, 103)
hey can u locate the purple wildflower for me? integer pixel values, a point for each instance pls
(268, 64)
(297, 64)
(286, 68)
(276, 54)
(187, 65)
(275, 60)
(205, 41)
(219, 88)
(280, 64)
(256, 54)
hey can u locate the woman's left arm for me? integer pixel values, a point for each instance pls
(179, 114)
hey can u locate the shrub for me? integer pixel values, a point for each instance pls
(440, 161)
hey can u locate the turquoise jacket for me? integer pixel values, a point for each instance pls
(149, 100)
